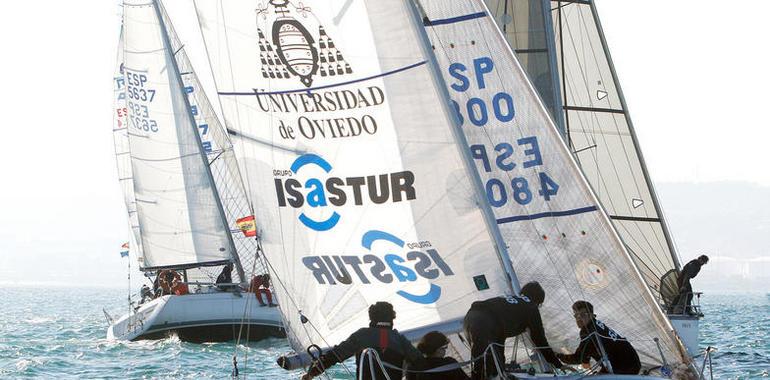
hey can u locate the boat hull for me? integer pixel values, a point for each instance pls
(206, 317)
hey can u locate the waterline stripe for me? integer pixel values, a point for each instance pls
(546, 214)
(453, 20)
(257, 93)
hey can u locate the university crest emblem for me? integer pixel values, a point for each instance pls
(290, 49)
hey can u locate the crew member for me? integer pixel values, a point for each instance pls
(261, 285)
(492, 321)
(690, 270)
(434, 345)
(226, 277)
(145, 294)
(166, 280)
(392, 347)
(595, 336)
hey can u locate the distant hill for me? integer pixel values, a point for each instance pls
(730, 222)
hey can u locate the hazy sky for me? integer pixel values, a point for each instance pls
(694, 75)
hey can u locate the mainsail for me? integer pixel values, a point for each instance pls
(596, 122)
(123, 153)
(555, 229)
(178, 209)
(359, 187)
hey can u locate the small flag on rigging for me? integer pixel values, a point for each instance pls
(125, 245)
(247, 226)
(124, 254)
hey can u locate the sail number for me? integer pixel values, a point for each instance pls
(479, 110)
(139, 115)
(500, 191)
(137, 88)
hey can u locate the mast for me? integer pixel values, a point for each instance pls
(233, 252)
(655, 202)
(418, 14)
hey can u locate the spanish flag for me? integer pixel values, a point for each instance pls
(247, 226)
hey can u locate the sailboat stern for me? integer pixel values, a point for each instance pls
(687, 327)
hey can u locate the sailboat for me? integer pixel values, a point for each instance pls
(396, 151)
(563, 50)
(186, 206)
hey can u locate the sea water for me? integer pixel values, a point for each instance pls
(59, 333)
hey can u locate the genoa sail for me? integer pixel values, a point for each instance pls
(555, 229)
(177, 208)
(123, 153)
(360, 190)
(597, 126)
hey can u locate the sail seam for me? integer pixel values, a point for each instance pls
(547, 214)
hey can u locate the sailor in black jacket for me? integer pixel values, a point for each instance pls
(620, 353)
(690, 270)
(392, 347)
(494, 320)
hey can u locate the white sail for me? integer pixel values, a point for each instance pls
(598, 127)
(359, 188)
(177, 208)
(220, 155)
(123, 153)
(555, 230)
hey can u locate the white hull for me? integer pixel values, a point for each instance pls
(687, 328)
(205, 317)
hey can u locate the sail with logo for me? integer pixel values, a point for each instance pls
(565, 45)
(374, 201)
(360, 191)
(545, 209)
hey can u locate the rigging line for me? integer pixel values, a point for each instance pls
(663, 266)
(164, 159)
(296, 307)
(565, 102)
(592, 146)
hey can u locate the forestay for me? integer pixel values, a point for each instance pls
(177, 209)
(598, 128)
(123, 153)
(359, 188)
(556, 232)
